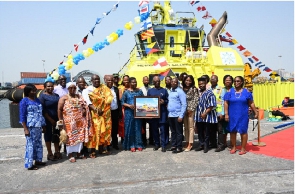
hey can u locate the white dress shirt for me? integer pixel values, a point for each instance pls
(85, 93)
(114, 104)
(144, 90)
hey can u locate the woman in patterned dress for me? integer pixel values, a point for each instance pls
(132, 137)
(30, 113)
(192, 97)
(74, 112)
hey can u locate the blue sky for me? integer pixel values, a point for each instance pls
(36, 31)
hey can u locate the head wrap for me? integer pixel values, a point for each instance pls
(69, 84)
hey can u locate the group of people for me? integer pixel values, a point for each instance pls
(93, 116)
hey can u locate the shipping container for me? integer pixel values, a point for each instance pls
(32, 80)
(33, 75)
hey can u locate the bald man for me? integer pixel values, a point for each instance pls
(160, 123)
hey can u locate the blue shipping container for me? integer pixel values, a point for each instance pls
(41, 80)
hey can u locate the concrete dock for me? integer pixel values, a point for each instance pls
(147, 171)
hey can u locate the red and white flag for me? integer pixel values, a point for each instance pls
(207, 15)
(141, 3)
(160, 63)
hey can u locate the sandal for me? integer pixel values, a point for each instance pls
(57, 156)
(233, 151)
(72, 160)
(92, 155)
(33, 168)
(40, 163)
(81, 156)
(51, 157)
(242, 152)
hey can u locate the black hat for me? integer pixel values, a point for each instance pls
(115, 74)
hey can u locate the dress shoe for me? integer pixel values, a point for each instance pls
(163, 149)
(199, 148)
(171, 149)
(213, 146)
(206, 149)
(156, 148)
(219, 149)
(176, 151)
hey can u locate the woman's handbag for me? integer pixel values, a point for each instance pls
(55, 135)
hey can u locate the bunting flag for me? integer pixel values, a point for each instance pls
(247, 53)
(223, 30)
(207, 15)
(255, 58)
(258, 64)
(249, 59)
(160, 63)
(146, 24)
(164, 74)
(98, 20)
(228, 34)
(224, 39)
(92, 30)
(241, 48)
(115, 6)
(234, 41)
(107, 13)
(61, 62)
(147, 34)
(194, 2)
(213, 22)
(152, 47)
(261, 66)
(144, 9)
(76, 47)
(85, 39)
(267, 69)
(141, 3)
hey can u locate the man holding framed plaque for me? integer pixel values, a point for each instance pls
(160, 123)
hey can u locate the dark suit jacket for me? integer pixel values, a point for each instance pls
(118, 101)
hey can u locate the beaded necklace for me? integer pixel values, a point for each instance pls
(74, 101)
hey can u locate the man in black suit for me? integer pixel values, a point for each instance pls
(116, 110)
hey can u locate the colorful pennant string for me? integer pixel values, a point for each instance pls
(232, 41)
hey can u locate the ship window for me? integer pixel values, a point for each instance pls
(171, 45)
(194, 42)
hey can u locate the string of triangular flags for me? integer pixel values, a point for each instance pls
(62, 68)
(227, 37)
(148, 32)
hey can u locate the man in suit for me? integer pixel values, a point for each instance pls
(144, 89)
(157, 123)
(116, 110)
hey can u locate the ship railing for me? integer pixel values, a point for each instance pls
(184, 54)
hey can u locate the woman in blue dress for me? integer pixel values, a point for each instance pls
(30, 113)
(49, 101)
(236, 106)
(132, 138)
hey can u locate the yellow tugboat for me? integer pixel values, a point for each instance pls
(181, 44)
